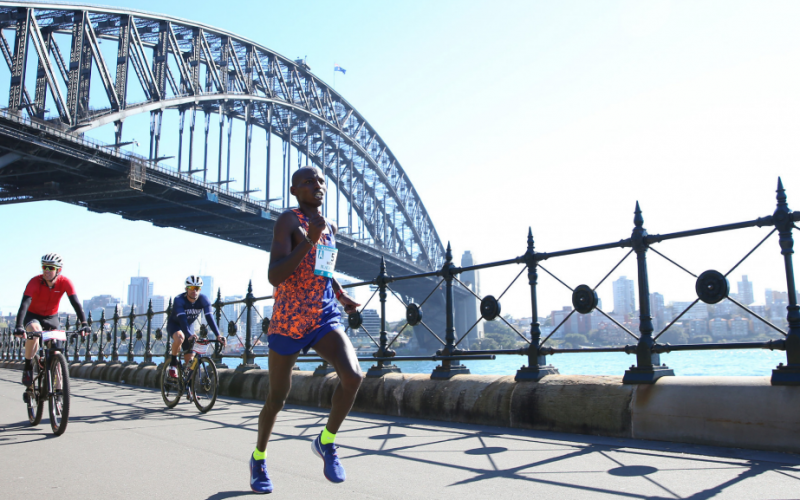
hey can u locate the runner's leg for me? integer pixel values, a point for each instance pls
(336, 349)
(280, 381)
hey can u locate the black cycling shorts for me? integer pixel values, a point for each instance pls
(47, 322)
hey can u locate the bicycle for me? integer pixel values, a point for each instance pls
(199, 379)
(50, 381)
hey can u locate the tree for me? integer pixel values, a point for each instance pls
(576, 339)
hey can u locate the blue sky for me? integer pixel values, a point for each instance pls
(553, 115)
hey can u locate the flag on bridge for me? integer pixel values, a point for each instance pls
(336, 68)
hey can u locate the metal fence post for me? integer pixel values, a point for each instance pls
(217, 357)
(383, 367)
(131, 332)
(247, 354)
(87, 356)
(167, 349)
(148, 353)
(101, 358)
(648, 368)
(783, 219)
(114, 345)
(536, 368)
(449, 367)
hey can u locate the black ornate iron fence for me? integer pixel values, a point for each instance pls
(138, 331)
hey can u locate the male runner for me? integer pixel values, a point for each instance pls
(186, 308)
(39, 308)
(305, 315)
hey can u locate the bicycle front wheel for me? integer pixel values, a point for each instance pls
(204, 385)
(58, 399)
(33, 397)
(171, 388)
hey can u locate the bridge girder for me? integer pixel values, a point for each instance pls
(243, 80)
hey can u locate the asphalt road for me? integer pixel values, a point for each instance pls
(122, 442)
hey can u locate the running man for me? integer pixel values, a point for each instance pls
(39, 308)
(306, 315)
(186, 308)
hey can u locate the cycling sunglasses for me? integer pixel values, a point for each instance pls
(194, 288)
(50, 268)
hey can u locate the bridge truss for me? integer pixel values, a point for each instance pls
(169, 65)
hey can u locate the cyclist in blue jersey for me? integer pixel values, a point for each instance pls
(186, 308)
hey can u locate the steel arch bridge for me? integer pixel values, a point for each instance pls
(170, 65)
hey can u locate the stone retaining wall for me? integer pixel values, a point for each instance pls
(743, 412)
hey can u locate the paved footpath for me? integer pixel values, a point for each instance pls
(122, 442)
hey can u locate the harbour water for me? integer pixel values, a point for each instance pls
(754, 362)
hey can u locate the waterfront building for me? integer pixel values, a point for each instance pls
(745, 291)
(718, 328)
(698, 311)
(696, 327)
(624, 296)
(230, 313)
(371, 321)
(570, 326)
(739, 327)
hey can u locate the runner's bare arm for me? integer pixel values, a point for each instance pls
(350, 305)
(289, 247)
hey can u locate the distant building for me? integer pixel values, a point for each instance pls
(208, 288)
(697, 327)
(739, 327)
(231, 312)
(139, 292)
(745, 291)
(718, 328)
(570, 326)
(657, 310)
(371, 321)
(698, 311)
(624, 296)
(160, 303)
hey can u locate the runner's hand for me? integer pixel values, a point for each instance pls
(316, 225)
(19, 332)
(350, 305)
(85, 330)
(221, 340)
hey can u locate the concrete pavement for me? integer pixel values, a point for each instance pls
(122, 442)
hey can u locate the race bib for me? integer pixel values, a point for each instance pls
(54, 335)
(326, 260)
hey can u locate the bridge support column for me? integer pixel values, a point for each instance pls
(784, 221)
(383, 367)
(537, 365)
(449, 367)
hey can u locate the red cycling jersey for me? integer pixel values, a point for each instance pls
(45, 300)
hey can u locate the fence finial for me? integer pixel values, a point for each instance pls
(781, 194)
(638, 220)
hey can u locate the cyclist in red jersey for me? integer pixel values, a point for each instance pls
(39, 308)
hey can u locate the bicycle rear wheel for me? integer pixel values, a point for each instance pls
(58, 399)
(33, 397)
(171, 388)
(204, 385)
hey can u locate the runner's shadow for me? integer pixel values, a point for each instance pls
(229, 494)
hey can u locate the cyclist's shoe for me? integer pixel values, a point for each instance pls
(172, 372)
(259, 479)
(26, 397)
(333, 469)
(27, 378)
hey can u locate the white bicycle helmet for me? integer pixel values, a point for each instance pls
(52, 259)
(194, 281)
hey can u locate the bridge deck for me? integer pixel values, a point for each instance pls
(121, 441)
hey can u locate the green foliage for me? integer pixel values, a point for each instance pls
(674, 335)
(576, 339)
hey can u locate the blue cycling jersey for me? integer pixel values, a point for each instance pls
(185, 313)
